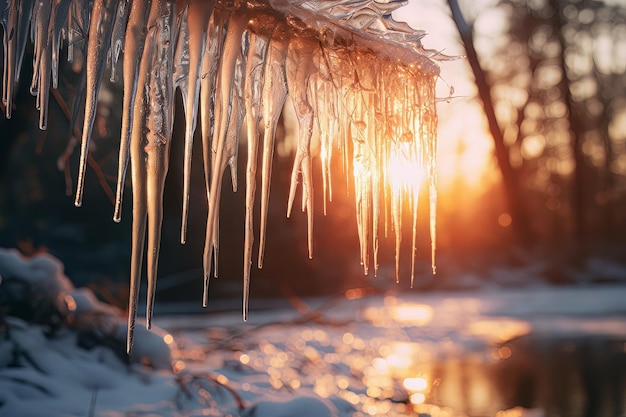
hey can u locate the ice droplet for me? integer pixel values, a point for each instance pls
(363, 80)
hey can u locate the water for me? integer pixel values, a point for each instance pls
(524, 353)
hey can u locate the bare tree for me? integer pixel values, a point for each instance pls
(509, 175)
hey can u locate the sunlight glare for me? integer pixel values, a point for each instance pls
(416, 314)
(415, 384)
(417, 398)
(405, 170)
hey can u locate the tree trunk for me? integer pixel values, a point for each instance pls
(509, 174)
(578, 187)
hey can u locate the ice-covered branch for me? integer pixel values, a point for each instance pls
(362, 79)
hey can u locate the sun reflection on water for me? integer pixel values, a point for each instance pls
(406, 314)
(414, 362)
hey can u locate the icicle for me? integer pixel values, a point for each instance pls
(429, 136)
(100, 28)
(40, 85)
(78, 25)
(59, 16)
(198, 15)
(226, 109)
(7, 25)
(326, 115)
(133, 51)
(210, 66)
(118, 33)
(273, 100)
(24, 10)
(223, 94)
(362, 196)
(162, 27)
(365, 78)
(254, 86)
(231, 146)
(299, 65)
(139, 107)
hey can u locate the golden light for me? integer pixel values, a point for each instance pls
(465, 151)
(222, 379)
(70, 302)
(405, 169)
(417, 398)
(499, 331)
(168, 339)
(178, 366)
(505, 220)
(415, 384)
(416, 314)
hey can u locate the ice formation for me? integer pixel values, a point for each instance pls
(358, 77)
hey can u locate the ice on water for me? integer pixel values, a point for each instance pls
(358, 77)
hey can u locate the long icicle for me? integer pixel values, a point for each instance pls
(198, 15)
(245, 56)
(118, 33)
(299, 65)
(139, 107)
(273, 100)
(100, 28)
(210, 67)
(255, 78)
(231, 50)
(133, 52)
(159, 132)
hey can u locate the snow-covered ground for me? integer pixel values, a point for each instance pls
(540, 351)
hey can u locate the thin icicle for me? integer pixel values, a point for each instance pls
(223, 96)
(254, 87)
(326, 115)
(231, 148)
(58, 19)
(210, 66)
(273, 100)
(118, 34)
(299, 68)
(365, 78)
(7, 25)
(229, 113)
(36, 21)
(198, 15)
(24, 9)
(133, 52)
(162, 27)
(100, 27)
(139, 105)
(41, 67)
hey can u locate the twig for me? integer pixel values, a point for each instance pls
(90, 160)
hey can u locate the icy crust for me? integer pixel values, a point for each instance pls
(360, 79)
(367, 23)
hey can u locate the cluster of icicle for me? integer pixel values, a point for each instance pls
(360, 78)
